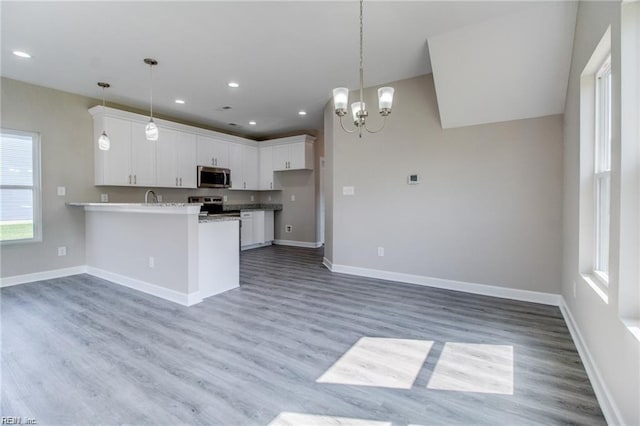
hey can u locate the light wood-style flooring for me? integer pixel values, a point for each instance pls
(295, 344)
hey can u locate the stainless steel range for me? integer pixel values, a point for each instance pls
(212, 206)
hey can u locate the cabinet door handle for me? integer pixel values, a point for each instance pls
(245, 185)
(270, 185)
(212, 162)
(176, 181)
(180, 181)
(129, 179)
(135, 179)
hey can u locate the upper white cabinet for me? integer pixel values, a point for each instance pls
(265, 178)
(176, 159)
(171, 161)
(213, 152)
(243, 162)
(293, 155)
(131, 160)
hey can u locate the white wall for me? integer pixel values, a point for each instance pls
(487, 210)
(614, 351)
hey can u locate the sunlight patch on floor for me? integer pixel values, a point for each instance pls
(299, 419)
(374, 361)
(470, 367)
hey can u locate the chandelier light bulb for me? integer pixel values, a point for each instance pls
(385, 98)
(356, 107)
(340, 98)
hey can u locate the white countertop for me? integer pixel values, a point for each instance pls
(154, 208)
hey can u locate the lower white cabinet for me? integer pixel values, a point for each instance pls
(257, 228)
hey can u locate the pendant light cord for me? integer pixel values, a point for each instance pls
(151, 91)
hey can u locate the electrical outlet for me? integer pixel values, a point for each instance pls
(380, 251)
(225, 198)
(269, 198)
(288, 228)
(253, 198)
(574, 289)
(293, 197)
(152, 262)
(62, 251)
(159, 198)
(104, 198)
(62, 191)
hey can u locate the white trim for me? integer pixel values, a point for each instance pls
(327, 263)
(487, 290)
(44, 275)
(292, 243)
(185, 299)
(606, 401)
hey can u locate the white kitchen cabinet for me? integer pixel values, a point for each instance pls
(143, 157)
(257, 228)
(246, 231)
(186, 149)
(212, 152)
(176, 159)
(113, 167)
(265, 179)
(293, 156)
(131, 159)
(269, 226)
(243, 162)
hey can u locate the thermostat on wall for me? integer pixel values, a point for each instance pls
(413, 179)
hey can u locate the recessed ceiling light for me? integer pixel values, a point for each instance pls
(233, 84)
(21, 54)
(226, 107)
(252, 123)
(302, 112)
(179, 101)
(233, 124)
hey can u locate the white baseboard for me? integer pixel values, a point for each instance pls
(326, 262)
(606, 401)
(292, 243)
(483, 289)
(252, 246)
(145, 287)
(44, 275)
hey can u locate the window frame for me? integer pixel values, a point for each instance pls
(602, 170)
(36, 186)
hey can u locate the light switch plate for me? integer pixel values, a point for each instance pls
(62, 191)
(348, 190)
(224, 198)
(104, 198)
(293, 197)
(62, 251)
(253, 198)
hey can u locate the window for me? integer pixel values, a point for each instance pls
(19, 186)
(602, 169)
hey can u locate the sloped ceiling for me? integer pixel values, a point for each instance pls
(511, 67)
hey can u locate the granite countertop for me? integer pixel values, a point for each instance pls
(251, 207)
(135, 204)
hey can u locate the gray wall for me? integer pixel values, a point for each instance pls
(613, 349)
(66, 130)
(488, 209)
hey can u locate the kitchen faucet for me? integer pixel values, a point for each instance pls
(146, 196)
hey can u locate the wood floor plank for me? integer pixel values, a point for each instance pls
(82, 350)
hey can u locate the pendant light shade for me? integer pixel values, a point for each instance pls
(151, 130)
(340, 98)
(104, 143)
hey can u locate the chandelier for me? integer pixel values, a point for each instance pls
(358, 108)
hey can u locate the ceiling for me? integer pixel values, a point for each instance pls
(286, 56)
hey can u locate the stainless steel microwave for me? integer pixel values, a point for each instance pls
(213, 177)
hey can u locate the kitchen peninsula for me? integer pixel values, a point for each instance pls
(162, 249)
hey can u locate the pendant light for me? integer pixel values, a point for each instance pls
(104, 143)
(151, 131)
(358, 109)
